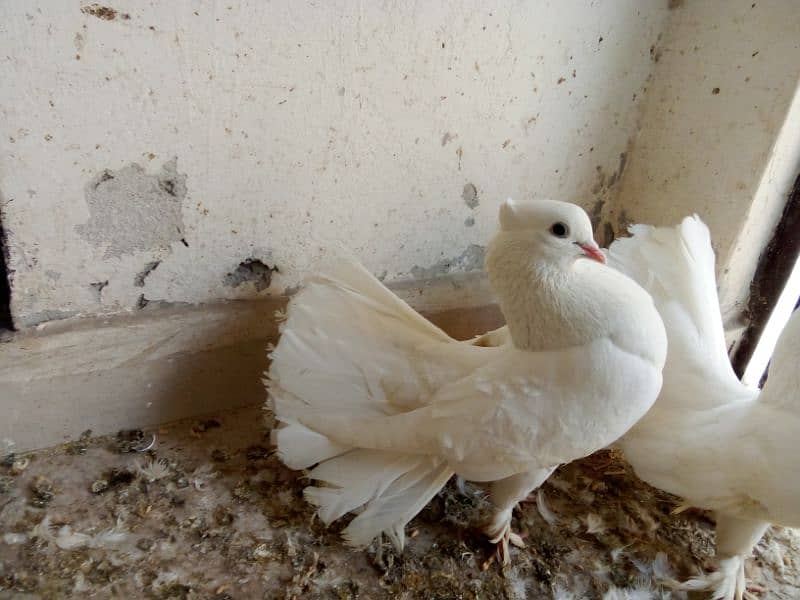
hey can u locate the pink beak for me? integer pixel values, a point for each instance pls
(593, 251)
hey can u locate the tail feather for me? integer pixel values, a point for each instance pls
(355, 479)
(300, 447)
(352, 349)
(350, 346)
(349, 273)
(398, 504)
(676, 266)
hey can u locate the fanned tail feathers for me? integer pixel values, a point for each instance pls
(350, 347)
(392, 487)
(676, 265)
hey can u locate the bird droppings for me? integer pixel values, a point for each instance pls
(104, 12)
(174, 524)
(470, 195)
(471, 259)
(138, 281)
(252, 271)
(131, 210)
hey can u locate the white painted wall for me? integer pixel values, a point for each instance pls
(721, 131)
(297, 124)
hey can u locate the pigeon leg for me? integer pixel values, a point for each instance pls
(735, 540)
(505, 494)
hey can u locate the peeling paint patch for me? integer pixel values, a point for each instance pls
(471, 259)
(251, 271)
(138, 281)
(470, 195)
(132, 210)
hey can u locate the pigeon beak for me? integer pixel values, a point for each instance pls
(592, 250)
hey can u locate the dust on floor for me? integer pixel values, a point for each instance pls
(206, 511)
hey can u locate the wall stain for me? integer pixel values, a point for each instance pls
(605, 184)
(98, 287)
(471, 259)
(138, 281)
(105, 13)
(470, 195)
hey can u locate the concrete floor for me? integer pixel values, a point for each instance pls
(207, 512)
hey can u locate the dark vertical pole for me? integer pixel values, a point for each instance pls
(774, 267)
(5, 284)
(6, 323)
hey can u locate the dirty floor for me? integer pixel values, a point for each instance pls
(205, 511)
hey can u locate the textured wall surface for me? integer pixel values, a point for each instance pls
(196, 151)
(720, 131)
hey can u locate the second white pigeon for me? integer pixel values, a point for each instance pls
(710, 439)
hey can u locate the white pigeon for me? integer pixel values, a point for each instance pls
(710, 439)
(389, 407)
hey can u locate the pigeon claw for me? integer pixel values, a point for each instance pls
(502, 540)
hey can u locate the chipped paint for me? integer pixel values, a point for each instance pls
(131, 210)
(138, 281)
(470, 195)
(251, 271)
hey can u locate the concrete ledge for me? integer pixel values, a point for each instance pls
(154, 366)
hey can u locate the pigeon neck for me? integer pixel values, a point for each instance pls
(547, 306)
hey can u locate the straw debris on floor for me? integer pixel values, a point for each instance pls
(202, 509)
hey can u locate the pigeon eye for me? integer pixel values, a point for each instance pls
(560, 230)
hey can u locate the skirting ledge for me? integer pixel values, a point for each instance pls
(142, 369)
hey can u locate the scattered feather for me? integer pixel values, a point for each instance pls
(13, 539)
(544, 510)
(661, 569)
(616, 553)
(516, 586)
(560, 484)
(153, 471)
(80, 585)
(562, 593)
(594, 523)
(67, 539)
(201, 476)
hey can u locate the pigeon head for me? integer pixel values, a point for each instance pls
(543, 267)
(556, 231)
